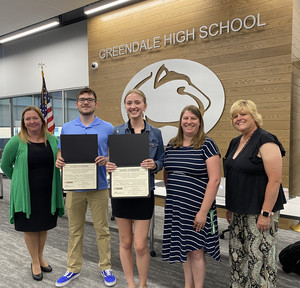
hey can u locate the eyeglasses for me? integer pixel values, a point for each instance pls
(82, 100)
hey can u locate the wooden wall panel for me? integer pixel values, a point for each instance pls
(295, 105)
(251, 64)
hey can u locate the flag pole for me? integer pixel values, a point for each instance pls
(42, 65)
(45, 106)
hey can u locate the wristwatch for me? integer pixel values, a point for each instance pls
(266, 214)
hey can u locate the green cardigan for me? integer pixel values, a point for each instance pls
(14, 164)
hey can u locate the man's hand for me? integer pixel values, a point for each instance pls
(101, 160)
(60, 162)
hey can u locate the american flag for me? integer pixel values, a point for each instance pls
(46, 107)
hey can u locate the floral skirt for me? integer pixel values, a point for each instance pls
(252, 254)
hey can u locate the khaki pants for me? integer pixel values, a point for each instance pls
(76, 206)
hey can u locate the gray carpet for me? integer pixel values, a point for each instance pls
(15, 261)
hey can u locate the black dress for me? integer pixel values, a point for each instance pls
(40, 173)
(133, 208)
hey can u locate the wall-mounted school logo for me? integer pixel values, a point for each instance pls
(170, 85)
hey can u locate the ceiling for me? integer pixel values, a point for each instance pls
(17, 14)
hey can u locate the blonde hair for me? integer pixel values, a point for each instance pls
(248, 107)
(199, 138)
(137, 91)
(23, 134)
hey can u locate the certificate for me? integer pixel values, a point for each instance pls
(79, 152)
(80, 176)
(129, 182)
(127, 151)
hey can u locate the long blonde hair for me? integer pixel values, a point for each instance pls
(23, 134)
(199, 138)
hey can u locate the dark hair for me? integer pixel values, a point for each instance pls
(88, 91)
(199, 138)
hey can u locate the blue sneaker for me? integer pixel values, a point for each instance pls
(109, 277)
(66, 278)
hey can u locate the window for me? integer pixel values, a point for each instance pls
(63, 108)
(5, 133)
(71, 112)
(19, 104)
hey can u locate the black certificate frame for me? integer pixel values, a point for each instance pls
(79, 152)
(129, 180)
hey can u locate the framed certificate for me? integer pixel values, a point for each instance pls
(79, 153)
(127, 182)
(127, 151)
(79, 176)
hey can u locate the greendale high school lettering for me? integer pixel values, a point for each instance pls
(213, 30)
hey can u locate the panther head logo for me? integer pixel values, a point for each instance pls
(170, 85)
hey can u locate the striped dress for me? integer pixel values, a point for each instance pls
(186, 185)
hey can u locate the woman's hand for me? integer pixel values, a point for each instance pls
(199, 221)
(101, 160)
(110, 166)
(60, 162)
(263, 223)
(228, 216)
(149, 164)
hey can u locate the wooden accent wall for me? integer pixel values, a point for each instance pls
(251, 64)
(295, 110)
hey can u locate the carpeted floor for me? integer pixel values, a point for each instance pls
(15, 261)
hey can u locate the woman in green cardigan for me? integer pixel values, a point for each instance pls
(36, 197)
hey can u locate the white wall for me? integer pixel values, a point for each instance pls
(63, 50)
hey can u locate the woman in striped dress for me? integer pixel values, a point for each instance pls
(192, 177)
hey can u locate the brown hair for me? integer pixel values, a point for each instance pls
(199, 138)
(88, 91)
(23, 134)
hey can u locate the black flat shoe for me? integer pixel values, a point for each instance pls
(46, 269)
(37, 277)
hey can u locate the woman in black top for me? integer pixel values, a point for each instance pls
(254, 196)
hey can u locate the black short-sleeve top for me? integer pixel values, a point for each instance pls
(246, 178)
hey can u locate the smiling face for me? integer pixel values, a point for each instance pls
(32, 122)
(243, 122)
(190, 124)
(135, 105)
(86, 104)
